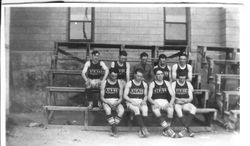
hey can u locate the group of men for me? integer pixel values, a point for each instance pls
(161, 87)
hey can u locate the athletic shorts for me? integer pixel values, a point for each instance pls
(93, 83)
(162, 102)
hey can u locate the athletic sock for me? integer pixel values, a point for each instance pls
(189, 121)
(144, 118)
(163, 122)
(139, 120)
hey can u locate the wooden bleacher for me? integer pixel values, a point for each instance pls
(65, 49)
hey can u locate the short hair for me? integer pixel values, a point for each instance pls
(114, 70)
(123, 53)
(143, 54)
(95, 52)
(162, 56)
(183, 54)
(157, 69)
(138, 70)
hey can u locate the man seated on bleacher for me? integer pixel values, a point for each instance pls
(161, 96)
(182, 67)
(183, 91)
(92, 74)
(148, 75)
(111, 96)
(162, 64)
(135, 94)
(123, 67)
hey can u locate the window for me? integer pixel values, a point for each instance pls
(81, 24)
(175, 26)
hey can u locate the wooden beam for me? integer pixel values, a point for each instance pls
(65, 108)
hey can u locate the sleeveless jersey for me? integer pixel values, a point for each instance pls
(111, 91)
(165, 72)
(95, 71)
(181, 91)
(161, 92)
(179, 70)
(122, 70)
(136, 91)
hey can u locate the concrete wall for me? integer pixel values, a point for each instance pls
(34, 30)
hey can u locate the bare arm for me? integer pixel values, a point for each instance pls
(170, 74)
(120, 92)
(103, 92)
(171, 92)
(112, 64)
(174, 68)
(190, 92)
(128, 71)
(84, 71)
(145, 92)
(126, 91)
(190, 74)
(150, 93)
(105, 68)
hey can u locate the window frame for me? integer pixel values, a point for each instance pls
(84, 21)
(176, 42)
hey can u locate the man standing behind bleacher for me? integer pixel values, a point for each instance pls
(162, 64)
(148, 75)
(92, 74)
(123, 67)
(183, 91)
(111, 96)
(182, 67)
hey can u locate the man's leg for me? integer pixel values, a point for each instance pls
(109, 118)
(159, 117)
(191, 110)
(170, 113)
(144, 110)
(178, 109)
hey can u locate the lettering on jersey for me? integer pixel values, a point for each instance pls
(95, 71)
(165, 73)
(136, 91)
(121, 70)
(160, 90)
(181, 91)
(111, 90)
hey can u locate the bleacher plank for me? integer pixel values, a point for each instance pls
(65, 89)
(65, 108)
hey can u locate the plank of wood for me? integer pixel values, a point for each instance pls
(65, 108)
(66, 89)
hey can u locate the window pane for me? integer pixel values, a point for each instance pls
(175, 14)
(80, 14)
(80, 30)
(175, 32)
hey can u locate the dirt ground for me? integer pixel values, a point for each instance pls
(21, 135)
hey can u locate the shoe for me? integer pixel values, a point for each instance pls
(113, 131)
(190, 133)
(183, 133)
(141, 134)
(145, 132)
(169, 132)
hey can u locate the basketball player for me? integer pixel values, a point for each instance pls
(182, 66)
(183, 97)
(111, 96)
(135, 95)
(162, 64)
(161, 96)
(123, 67)
(92, 74)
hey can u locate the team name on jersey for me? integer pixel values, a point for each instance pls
(111, 90)
(122, 70)
(181, 91)
(136, 91)
(160, 90)
(95, 71)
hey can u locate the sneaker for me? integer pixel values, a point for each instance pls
(145, 132)
(190, 133)
(169, 132)
(183, 133)
(141, 134)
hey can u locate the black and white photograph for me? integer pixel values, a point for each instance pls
(120, 73)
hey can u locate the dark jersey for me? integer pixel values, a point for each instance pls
(122, 70)
(136, 91)
(181, 91)
(112, 91)
(161, 92)
(165, 71)
(179, 70)
(95, 71)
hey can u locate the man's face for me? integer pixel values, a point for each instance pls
(95, 57)
(138, 76)
(123, 59)
(182, 79)
(162, 61)
(183, 60)
(144, 59)
(159, 75)
(113, 76)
